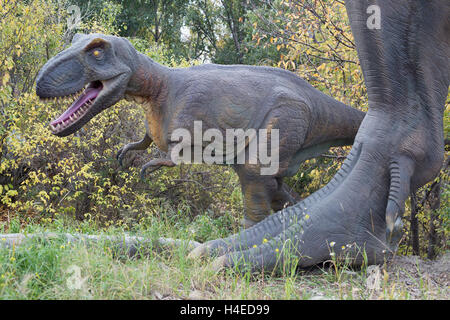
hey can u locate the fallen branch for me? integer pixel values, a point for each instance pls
(131, 245)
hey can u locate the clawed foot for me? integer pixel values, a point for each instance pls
(155, 164)
(394, 235)
(121, 154)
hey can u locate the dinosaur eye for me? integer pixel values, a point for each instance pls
(97, 53)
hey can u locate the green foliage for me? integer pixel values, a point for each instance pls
(44, 177)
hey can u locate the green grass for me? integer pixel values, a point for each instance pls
(60, 270)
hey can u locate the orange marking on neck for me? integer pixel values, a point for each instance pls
(154, 116)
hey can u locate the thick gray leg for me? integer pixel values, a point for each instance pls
(257, 194)
(287, 221)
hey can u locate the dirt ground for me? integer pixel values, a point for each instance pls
(422, 279)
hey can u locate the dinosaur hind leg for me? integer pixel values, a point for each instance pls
(256, 192)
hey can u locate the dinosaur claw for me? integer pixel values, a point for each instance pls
(142, 174)
(120, 155)
(394, 234)
(394, 224)
(153, 166)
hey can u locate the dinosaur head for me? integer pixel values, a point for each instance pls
(94, 73)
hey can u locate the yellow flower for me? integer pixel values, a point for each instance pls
(277, 250)
(12, 259)
(265, 240)
(306, 216)
(254, 246)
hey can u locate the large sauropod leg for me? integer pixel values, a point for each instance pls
(279, 221)
(399, 147)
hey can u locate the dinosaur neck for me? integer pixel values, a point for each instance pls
(148, 85)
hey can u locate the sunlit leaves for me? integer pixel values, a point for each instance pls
(317, 44)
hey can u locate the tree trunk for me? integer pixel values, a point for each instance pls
(414, 226)
(435, 202)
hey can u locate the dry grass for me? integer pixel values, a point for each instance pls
(49, 270)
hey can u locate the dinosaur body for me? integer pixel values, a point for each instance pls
(221, 97)
(398, 148)
(228, 97)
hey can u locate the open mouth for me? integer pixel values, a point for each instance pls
(81, 105)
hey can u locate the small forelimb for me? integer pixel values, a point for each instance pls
(140, 145)
(155, 164)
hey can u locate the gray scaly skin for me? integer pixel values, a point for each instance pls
(222, 97)
(399, 147)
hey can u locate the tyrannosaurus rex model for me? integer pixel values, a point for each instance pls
(107, 69)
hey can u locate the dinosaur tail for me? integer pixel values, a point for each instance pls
(287, 236)
(333, 122)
